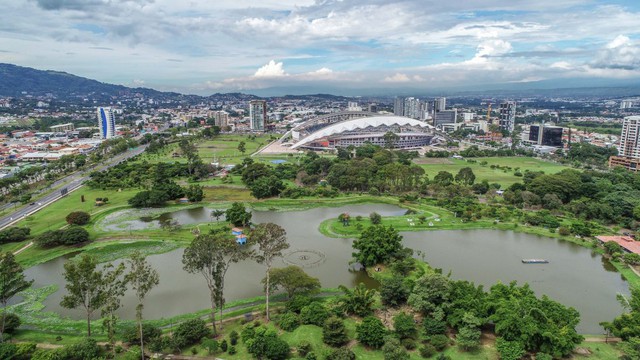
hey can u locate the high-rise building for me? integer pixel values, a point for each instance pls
(507, 115)
(353, 106)
(629, 139)
(546, 135)
(398, 106)
(626, 104)
(373, 108)
(106, 122)
(258, 114)
(412, 108)
(445, 117)
(440, 104)
(220, 118)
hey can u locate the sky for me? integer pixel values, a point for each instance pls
(208, 46)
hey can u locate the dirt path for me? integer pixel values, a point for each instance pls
(30, 244)
(602, 340)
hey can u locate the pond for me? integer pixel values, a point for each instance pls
(575, 275)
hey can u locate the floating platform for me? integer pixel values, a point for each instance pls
(535, 261)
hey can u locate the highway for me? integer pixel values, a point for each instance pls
(70, 183)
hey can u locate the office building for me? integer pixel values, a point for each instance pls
(258, 114)
(398, 106)
(546, 135)
(373, 108)
(106, 122)
(412, 108)
(507, 115)
(440, 104)
(445, 117)
(220, 118)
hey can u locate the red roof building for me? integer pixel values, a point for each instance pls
(628, 243)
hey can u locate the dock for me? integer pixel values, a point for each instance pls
(535, 261)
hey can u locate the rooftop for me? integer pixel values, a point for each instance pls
(627, 242)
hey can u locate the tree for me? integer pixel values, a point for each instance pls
(78, 218)
(334, 333)
(371, 332)
(148, 198)
(342, 353)
(265, 187)
(443, 178)
(465, 176)
(394, 291)
(85, 286)
(314, 314)
(194, 193)
(237, 214)
(293, 280)
(358, 301)
(468, 338)
(211, 255)
(266, 344)
(404, 326)
(242, 147)
(390, 139)
(217, 214)
(430, 292)
(190, 332)
(142, 278)
(12, 281)
(114, 287)
(271, 240)
(375, 218)
(612, 247)
(376, 245)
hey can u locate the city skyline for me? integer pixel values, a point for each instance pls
(205, 47)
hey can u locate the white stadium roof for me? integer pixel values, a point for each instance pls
(360, 123)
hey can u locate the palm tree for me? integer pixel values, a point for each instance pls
(358, 301)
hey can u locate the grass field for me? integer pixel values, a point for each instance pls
(505, 178)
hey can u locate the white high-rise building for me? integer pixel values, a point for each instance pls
(629, 144)
(626, 104)
(258, 114)
(398, 106)
(440, 104)
(507, 115)
(106, 122)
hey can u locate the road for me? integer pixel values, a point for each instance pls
(71, 183)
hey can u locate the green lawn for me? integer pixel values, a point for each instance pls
(505, 178)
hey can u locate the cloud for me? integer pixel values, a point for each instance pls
(271, 69)
(620, 53)
(397, 78)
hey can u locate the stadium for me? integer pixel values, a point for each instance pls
(357, 128)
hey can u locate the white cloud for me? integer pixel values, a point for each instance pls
(271, 69)
(620, 53)
(397, 78)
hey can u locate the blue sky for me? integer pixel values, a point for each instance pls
(206, 46)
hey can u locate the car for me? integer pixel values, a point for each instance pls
(32, 203)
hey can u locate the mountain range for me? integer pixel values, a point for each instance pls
(17, 81)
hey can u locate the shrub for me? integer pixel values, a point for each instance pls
(564, 231)
(341, 354)
(224, 346)
(25, 350)
(232, 350)
(433, 326)
(543, 356)
(334, 333)
(14, 234)
(190, 332)
(409, 344)
(7, 350)
(427, 351)
(78, 218)
(439, 341)
(288, 321)
(375, 218)
(233, 337)
(314, 314)
(297, 302)
(371, 332)
(393, 350)
(311, 356)
(11, 323)
(266, 344)
(87, 348)
(130, 334)
(247, 333)
(304, 348)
